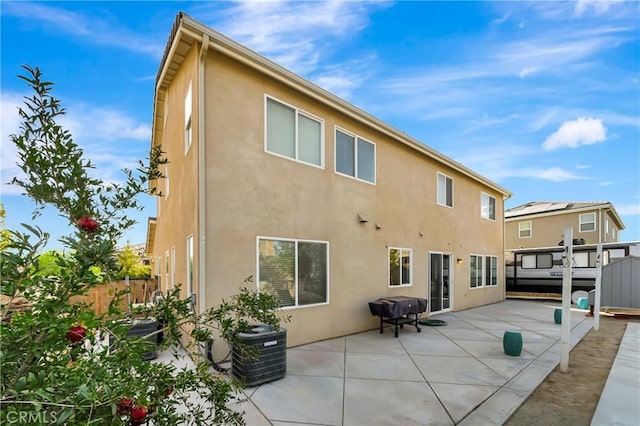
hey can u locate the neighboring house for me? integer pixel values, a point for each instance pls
(542, 223)
(271, 176)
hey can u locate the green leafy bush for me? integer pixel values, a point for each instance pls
(60, 362)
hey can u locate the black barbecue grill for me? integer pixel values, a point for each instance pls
(398, 310)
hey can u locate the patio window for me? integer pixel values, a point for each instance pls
(296, 271)
(475, 271)
(445, 190)
(483, 271)
(355, 157)
(491, 271)
(400, 266)
(293, 133)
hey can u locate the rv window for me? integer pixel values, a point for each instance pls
(616, 253)
(539, 261)
(545, 261)
(581, 260)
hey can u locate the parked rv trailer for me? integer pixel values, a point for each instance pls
(540, 269)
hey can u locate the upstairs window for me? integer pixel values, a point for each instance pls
(524, 229)
(355, 157)
(487, 206)
(188, 134)
(293, 134)
(400, 266)
(445, 190)
(587, 222)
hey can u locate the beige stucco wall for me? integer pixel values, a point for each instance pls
(252, 193)
(177, 215)
(548, 230)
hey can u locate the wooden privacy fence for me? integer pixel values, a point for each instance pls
(100, 296)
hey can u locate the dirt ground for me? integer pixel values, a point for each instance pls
(570, 399)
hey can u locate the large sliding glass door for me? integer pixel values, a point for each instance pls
(439, 282)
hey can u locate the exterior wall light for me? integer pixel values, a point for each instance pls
(459, 261)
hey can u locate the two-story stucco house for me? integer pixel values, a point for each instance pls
(270, 175)
(542, 223)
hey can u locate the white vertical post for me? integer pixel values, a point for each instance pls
(596, 302)
(567, 259)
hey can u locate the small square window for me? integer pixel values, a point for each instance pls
(587, 222)
(524, 229)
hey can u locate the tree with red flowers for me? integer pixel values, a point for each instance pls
(61, 363)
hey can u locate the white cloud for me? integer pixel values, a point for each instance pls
(599, 7)
(485, 75)
(555, 174)
(94, 30)
(572, 134)
(293, 34)
(628, 209)
(97, 123)
(500, 20)
(9, 125)
(99, 131)
(527, 72)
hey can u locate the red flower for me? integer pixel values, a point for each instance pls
(76, 334)
(87, 224)
(138, 414)
(124, 406)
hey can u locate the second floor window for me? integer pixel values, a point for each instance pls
(524, 229)
(487, 206)
(445, 190)
(188, 133)
(293, 134)
(355, 157)
(587, 222)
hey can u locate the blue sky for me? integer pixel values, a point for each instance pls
(542, 97)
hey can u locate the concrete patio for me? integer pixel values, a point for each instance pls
(446, 375)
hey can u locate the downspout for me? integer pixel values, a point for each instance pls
(201, 178)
